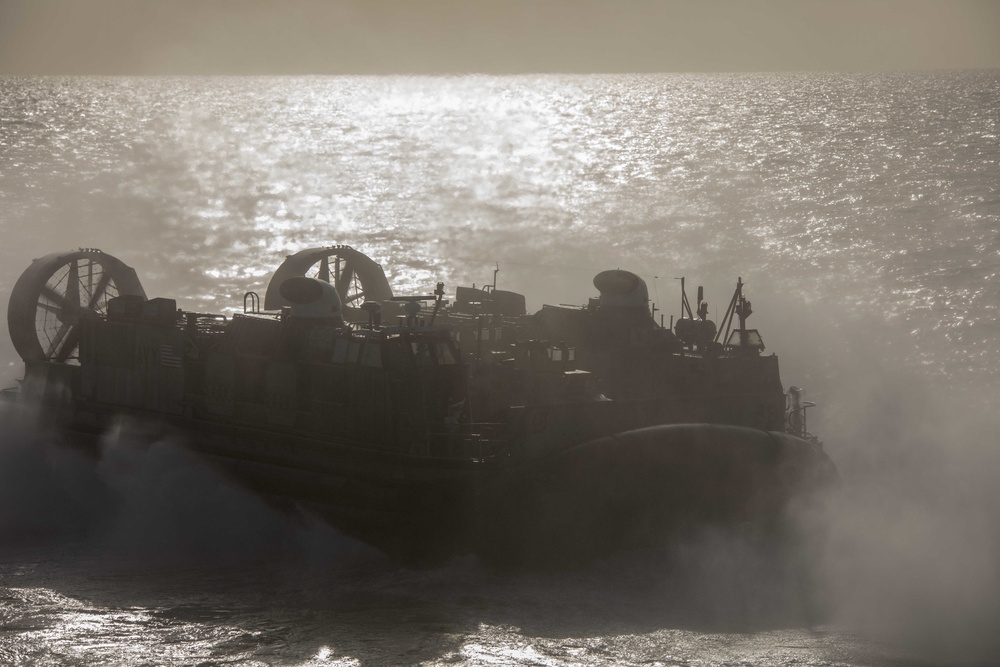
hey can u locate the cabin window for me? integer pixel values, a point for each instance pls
(488, 334)
(421, 353)
(445, 356)
(340, 351)
(752, 337)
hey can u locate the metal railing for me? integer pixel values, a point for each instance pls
(795, 420)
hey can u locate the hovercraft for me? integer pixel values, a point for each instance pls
(428, 428)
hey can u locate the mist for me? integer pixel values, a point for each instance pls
(912, 551)
(145, 502)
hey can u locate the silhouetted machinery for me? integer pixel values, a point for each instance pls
(427, 428)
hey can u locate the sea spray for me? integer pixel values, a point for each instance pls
(913, 539)
(143, 500)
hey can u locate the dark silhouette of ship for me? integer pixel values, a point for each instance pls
(429, 428)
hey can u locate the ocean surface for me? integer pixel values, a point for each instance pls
(862, 211)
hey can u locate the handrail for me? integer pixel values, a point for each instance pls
(254, 300)
(796, 420)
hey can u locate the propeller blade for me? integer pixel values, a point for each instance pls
(56, 341)
(55, 297)
(73, 283)
(70, 344)
(102, 286)
(346, 279)
(324, 270)
(50, 307)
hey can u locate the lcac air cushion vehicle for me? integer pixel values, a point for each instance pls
(429, 429)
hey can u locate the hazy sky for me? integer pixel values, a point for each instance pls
(492, 36)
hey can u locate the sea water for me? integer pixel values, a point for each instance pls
(862, 211)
